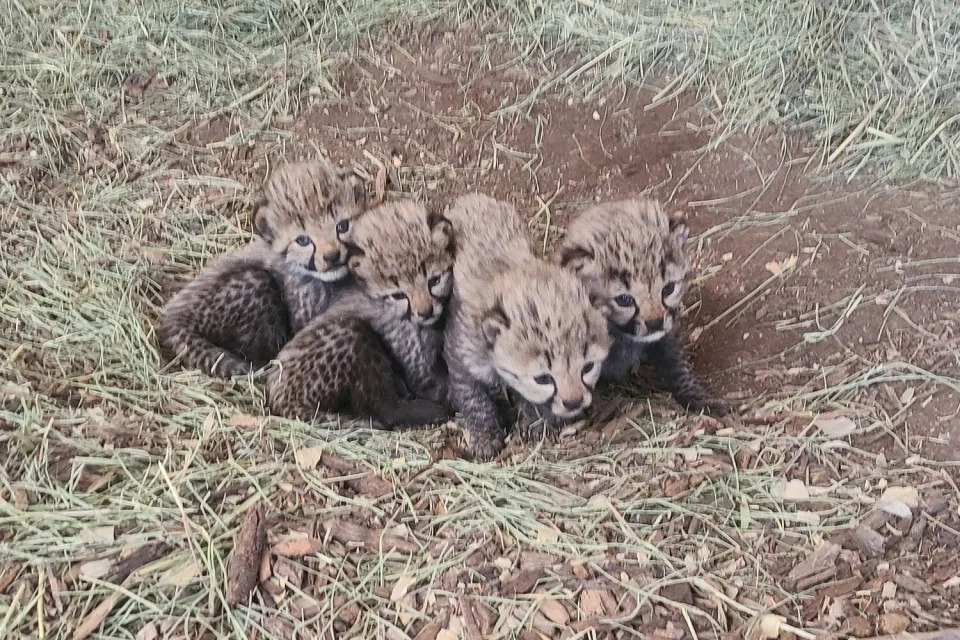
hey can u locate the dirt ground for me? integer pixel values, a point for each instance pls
(828, 305)
(803, 283)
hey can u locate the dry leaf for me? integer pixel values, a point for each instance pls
(889, 590)
(180, 575)
(591, 603)
(547, 534)
(777, 268)
(401, 588)
(98, 534)
(770, 626)
(308, 457)
(907, 396)
(555, 612)
(244, 421)
(894, 623)
(96, 569)
(836, 427)
(907, 495)
(148, 632)
(899, 500)
(430, 631)
(796, 490)
(96, 617)
(446, 634)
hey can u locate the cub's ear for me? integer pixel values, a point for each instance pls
(601, 303)
(263, 221)
(441, 230)
(493, 323)
(356, 257)
(678, 228)
(356, 183)
(572, 256)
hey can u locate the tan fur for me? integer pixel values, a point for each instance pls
(401, 257)
(238, 313)
(315, 204)
(515, 319)
(630, 248)
(631, 255)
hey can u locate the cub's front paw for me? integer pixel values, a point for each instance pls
(484, 445)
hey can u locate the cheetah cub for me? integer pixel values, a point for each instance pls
(630, 253)
(237, 314)
(515, 320)
(376, 351)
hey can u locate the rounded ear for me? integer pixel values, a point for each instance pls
(356, 183)
(601, 303)
(678, 228)
(572, 257)
(263, 224)
(440, 229)
(354, 263)
(493, 323)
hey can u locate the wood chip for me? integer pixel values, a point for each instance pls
(297, 547)
(818, 566)
(352, 533)
(244, 567)
(868, 542)
(911, 584)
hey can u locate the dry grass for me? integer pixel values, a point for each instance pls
(122, 485)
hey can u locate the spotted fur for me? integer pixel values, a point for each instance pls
(239, 312)
(383, 334)
(631, 255)
(515, 321)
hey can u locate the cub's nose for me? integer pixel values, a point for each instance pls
(332, 258)
(573, 405)
(425, 314)
(654, 325)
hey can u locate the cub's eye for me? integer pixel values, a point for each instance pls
(343, 226)
(544, 378)
(624, 300)
(669, 288)
(434, 281)
(303, 240)
(398, 295)
(587, 368)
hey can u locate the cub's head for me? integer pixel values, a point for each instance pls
(306, 210)
(403, 254)
(546, 339)
(630, 254)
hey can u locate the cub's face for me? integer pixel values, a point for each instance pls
(306, 210)
(634, 263)
(403, 255)
(546, 340)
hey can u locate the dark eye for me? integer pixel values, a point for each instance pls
(587, 368)
(303, 240)
(544, 378)
(343, 226)
(669, 288)
(434, 281)
(624, 300)
(398, 295)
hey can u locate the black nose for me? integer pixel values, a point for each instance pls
(654, 325)
(573, 405)
(426, 314)
(332, 257)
